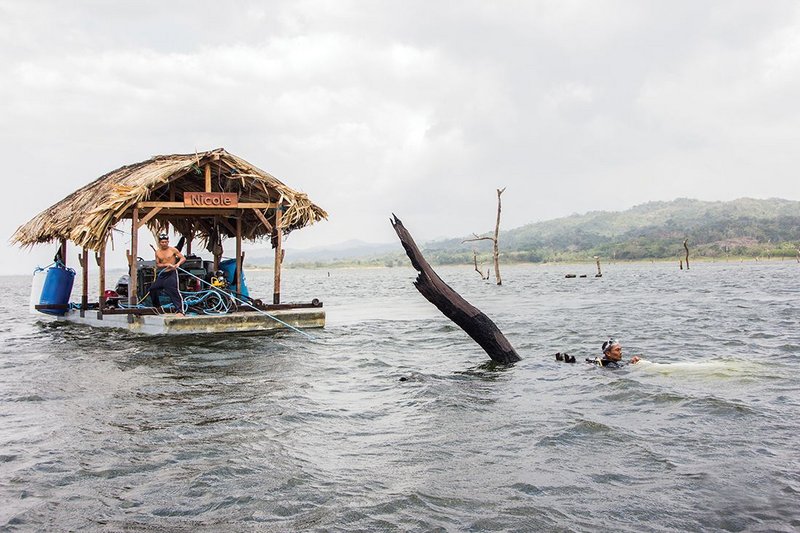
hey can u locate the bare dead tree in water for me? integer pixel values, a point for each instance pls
(687, 252)
(495, 240)
(468, 317)
(478, 270)
(599, 273)
(680, 263)
(798, 255)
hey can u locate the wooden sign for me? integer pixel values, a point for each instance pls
(210, 199)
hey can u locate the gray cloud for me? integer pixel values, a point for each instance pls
(414, 107)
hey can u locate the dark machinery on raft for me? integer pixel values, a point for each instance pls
(204, 289)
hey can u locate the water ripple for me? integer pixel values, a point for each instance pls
(394, 419)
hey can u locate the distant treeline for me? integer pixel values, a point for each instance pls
(656, 230)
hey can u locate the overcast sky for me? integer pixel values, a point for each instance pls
(422, 108)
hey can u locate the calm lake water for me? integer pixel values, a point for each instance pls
(111, 431)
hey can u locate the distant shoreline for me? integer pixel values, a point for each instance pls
(588, 262)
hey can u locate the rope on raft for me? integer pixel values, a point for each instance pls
(208, 302)
(248, 304)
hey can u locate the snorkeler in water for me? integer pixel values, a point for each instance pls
(612, 356)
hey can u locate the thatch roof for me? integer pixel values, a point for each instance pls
(86, 216)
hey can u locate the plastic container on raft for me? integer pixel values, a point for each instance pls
(229, 267)
(37, 284)
(56, 288)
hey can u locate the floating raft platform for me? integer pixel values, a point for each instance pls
(149, 323)
(206, 198)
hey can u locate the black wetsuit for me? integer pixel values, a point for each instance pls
(607, 363)
(167, 281)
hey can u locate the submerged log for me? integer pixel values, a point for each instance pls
(469, 318)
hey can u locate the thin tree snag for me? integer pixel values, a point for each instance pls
(478, 270)
(469, 318)
(687, 252)
(599, 272)
(496, 248)
(495, 240)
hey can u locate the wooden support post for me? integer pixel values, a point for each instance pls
(217, 251)
(189, 244)
(239, 253)
(134, 274)
(276, 292)
(208, 177)
(101, 264)
(64, 251)
(84, 281)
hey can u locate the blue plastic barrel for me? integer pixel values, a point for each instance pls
(229, 267)
(57, 288)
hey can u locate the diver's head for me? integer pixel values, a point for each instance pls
(612, 349)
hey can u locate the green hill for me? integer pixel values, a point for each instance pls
(655, 230)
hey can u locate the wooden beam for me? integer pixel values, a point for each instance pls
(208, 177)
(147, 205)
(258, 205)
(263, 220)
(153, 212)
(137, 311)
(227, 225)
(210, 210)
(197, 213)
(276, 291)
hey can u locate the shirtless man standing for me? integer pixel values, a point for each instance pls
(168, 259)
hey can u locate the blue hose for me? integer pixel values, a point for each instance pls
(248, 304)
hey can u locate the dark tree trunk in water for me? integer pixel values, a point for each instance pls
(687, 252)
(469, 318)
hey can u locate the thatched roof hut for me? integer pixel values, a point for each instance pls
(153, 192)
